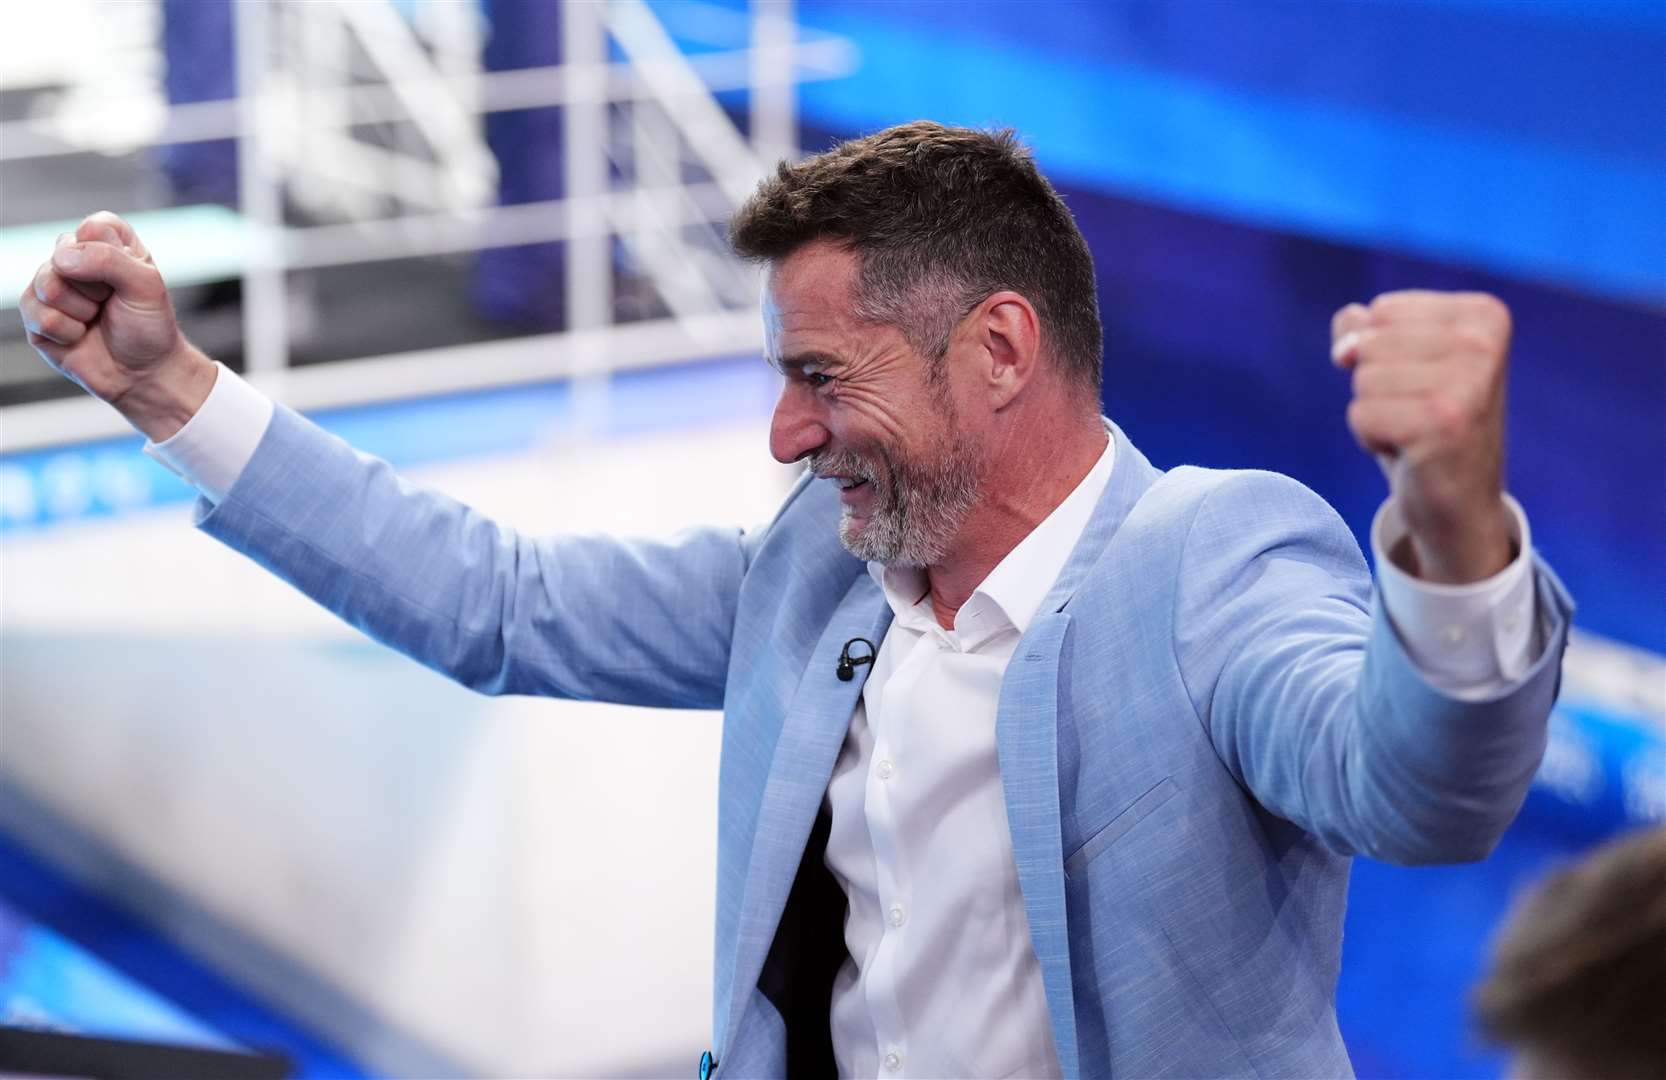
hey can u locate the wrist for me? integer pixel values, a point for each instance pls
(1469, 550)
(167, 396)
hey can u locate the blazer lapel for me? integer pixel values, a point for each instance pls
(811, 735)
(1026, 744)
(1131, 476)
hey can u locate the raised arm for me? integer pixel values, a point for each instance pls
(1312, 697)
(647, 622)
(1408, 727)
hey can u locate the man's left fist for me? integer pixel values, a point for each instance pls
(1429, 373)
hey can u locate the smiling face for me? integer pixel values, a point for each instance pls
(869, 413)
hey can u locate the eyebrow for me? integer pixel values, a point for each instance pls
(797, 362)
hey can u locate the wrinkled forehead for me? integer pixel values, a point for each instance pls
(811, 292)
(815, 316)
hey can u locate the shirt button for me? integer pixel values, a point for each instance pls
(896, 916)
(885, 770)
(893, 1061)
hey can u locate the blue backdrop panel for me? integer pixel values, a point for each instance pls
(1241, 170)
(1525, 138)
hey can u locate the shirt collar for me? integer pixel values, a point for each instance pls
(1010, 596)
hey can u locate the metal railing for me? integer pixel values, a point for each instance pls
(651, 162)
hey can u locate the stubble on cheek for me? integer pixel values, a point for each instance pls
(872, 534)
(893, 531)
(914, 507)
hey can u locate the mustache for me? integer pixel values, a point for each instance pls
(843, 463)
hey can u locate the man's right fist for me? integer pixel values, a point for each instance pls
(99, 312)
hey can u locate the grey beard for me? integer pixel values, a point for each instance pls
(917, 510)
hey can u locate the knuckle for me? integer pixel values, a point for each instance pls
(100, 225)
(1449, 413)
(1484, 314)
(1497, 315)
(1488, 307)
(49, 287)
(1470, 338)
(1390, 305)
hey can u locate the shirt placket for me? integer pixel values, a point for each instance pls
(892, 878)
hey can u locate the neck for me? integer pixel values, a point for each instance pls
(1028, 479)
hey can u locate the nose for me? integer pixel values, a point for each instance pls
(796, 429)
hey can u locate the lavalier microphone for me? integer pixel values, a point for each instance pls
(847, 663)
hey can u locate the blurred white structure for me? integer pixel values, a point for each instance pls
(651, 160)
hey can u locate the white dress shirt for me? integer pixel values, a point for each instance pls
(939, 942)
(942, 979)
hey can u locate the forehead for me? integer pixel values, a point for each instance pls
(815, 284)
(811, 318)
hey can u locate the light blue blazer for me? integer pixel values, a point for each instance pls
(1204, 723)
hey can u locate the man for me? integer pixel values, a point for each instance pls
(1074, 750)
(1578, 973)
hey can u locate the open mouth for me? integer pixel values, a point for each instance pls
(850, 483)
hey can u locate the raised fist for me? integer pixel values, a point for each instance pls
(1428, 380)
(98, 311)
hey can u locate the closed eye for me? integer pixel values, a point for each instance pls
(808, 367)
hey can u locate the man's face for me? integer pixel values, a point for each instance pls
(859, 404)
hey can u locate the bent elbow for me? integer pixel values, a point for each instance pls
(1455, 838)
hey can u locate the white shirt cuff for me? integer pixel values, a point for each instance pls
(1470, 641)
(210, 451)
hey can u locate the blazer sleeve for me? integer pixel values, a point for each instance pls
(1310, 699)
(588, 617)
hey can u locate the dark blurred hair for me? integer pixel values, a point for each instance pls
(1578, 979)
(939, 218)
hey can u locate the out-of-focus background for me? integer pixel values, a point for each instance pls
(484, 239)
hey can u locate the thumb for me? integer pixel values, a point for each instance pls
(112, 229)
(134, 281)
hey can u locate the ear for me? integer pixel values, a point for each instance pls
(1009, 336)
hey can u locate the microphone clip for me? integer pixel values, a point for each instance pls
(847, 663)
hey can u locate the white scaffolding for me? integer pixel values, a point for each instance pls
(653, 167)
